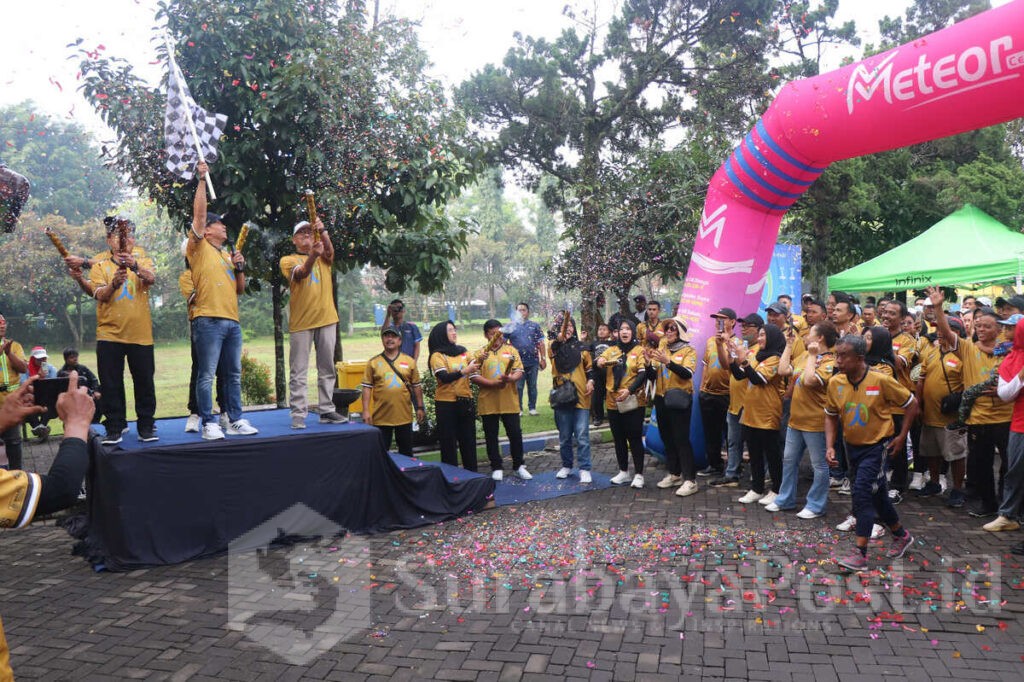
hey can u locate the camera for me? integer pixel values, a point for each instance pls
(46, 391)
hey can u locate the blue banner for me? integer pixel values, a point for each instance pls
(784, 276)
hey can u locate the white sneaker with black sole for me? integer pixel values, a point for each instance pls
(242, 427)
(620, 478)
(212, 431)
(564, 472)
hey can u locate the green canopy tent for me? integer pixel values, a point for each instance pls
(966, 247)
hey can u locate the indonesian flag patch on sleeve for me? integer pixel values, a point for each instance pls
(872, 390)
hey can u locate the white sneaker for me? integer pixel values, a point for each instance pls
(849, 524)
(523, 473)
(533, 413)
(638, 481)
(242, 427)
(192, 424)
(771, 506)
(497, 475)
(212, 431)
(846, 488)
(943, 483)
(806, 513)
(620, 478)
(687, 488)
(751, 496)
(917, 482)
(670, 481)
(768, 498)
(585, 477)
(877, 531)
(563, 472)
(224, 421)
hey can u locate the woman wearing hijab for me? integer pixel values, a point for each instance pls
(1011, 380)
(673, 364)
(880, 357)
(571, 362)
(452, 366)
(762, 411)
(625, 374)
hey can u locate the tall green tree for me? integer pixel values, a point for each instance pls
(61, 160)
(315, 98)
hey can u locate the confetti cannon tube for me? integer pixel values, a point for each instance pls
(57, 243)
(311, 209)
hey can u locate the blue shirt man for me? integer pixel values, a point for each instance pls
(411, 335)
(527, 338)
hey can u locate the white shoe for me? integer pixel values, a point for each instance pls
(212, 431)
(943, 483)
(751, 496)
(242, 427)
(846, 488)
(638, 481)
(849, 524)
(497, 475)
(563, 472)
(224, 421)
(687, 488)
(917, 482)
(585, 477)
(620, 478)
(193, 423)
(771, 506)
(670, 481)
(768, 498)
(806, 513)
(533, 413)
(877, 531)
(523, 473)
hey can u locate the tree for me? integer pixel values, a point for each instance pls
(61, 161)
(315, 99)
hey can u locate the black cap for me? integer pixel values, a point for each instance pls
(778, 308)
(390, 329)
(1016, 302)
(112, 222)
(754, 319)
(725, 312)
(212, 218)
(806, 297)
(639, 297)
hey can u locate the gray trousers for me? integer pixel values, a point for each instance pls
(323, 338)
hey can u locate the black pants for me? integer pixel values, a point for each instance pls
(628, 434)
(920, 461)
(456, 426)
(674, 427)
(221, 382)
(110, 357)
(983, 440)
(713, 411)
(898, 461)
(402, 435)
(515, 438)
(763, 446)
(12, 443)
(597, 400)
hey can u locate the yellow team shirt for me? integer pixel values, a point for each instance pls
(499, 399)
(936, 368)
(716, 377)
(214, 276)
(643, 328)
(634, 363)
(762, 405)
(392, 400)
(738, 387)
(806, 409)
(866, 409)
(9, 379)
(904, 346)
(667, 379)
(310, 304)
(578, 378)
(187, 287)
(979, 366)
(19, 497)
(447, 393)
(125, 317)
(801, 326)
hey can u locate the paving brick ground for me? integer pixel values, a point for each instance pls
(613, 584)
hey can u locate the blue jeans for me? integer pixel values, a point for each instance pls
(218, 340)
(817, 496)
(735, 440)
(529, 378)
(1013, 481)
(871, 502)
(573, 426)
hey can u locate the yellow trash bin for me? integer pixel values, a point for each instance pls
(350, 375)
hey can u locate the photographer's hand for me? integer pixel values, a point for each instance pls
(75, 407)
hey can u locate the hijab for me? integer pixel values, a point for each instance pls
(881, 349)
(774, 343)
(619, 369)
(438, 341)
(568, 354)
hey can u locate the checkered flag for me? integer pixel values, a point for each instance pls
(182, 156)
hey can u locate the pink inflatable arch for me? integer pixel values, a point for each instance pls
(964, 77)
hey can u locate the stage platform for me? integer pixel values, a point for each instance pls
(183, 498)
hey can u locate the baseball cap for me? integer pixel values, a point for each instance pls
(1014, 302)
(1009, 322)
(754, 319)
(39, 352)
(390, 329)
(807, 297)
(212, 218)
(300, 225)
(777, 308)
(725, 312)
(639, 297)
(984, 301)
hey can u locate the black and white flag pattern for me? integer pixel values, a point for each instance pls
(181, 150)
